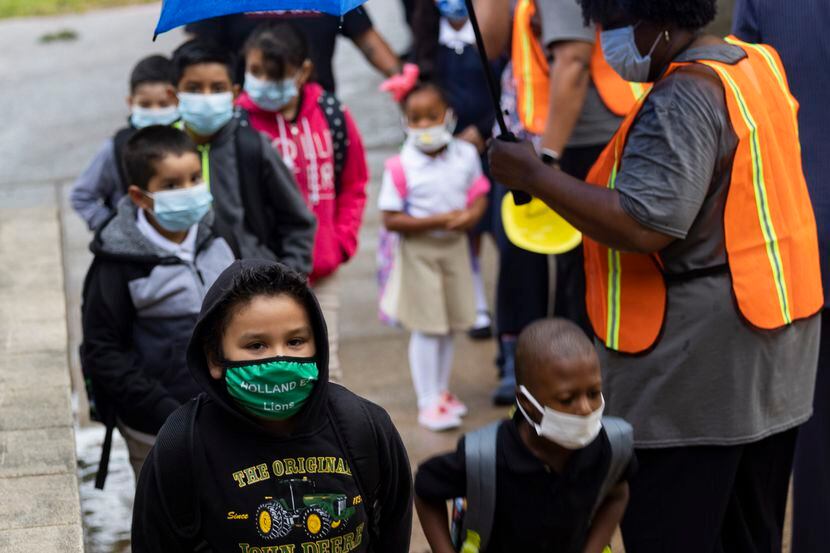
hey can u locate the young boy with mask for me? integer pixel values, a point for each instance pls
(152, 101)
(319, 140)
(272, 456)
(257, 202)
(552, 459)
(153, 262)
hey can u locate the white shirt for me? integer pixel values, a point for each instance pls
(434, 185)
(456, 39)
(185, 251)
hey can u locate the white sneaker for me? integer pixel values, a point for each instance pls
(438, 418)
(453, 404)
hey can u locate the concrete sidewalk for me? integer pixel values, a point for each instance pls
(40, 508)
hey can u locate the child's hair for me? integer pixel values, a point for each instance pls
(422, 86)
(282, 44)
(197, 51)
(270, 280)
(152, 69)
(547, 341)
(150, 145)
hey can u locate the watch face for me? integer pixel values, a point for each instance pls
(548, 159)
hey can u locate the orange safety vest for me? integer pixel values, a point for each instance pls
(769, 226)
(531, 73)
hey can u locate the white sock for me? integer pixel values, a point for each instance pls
(482, 309)
(447, 354)
(425, 366)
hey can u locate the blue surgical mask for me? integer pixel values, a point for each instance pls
(178, 210)
(621, 53)
(454, 10)
(145, 117)
(205, 114)
(270, 95)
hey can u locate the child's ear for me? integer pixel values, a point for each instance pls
(139, 198)
(305, 72)
(214, 368)
(236, 90)
(130, 101)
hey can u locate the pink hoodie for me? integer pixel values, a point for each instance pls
(305, 145)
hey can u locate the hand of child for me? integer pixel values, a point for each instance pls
(400, 85)
(462, 221)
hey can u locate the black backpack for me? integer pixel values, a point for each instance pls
(350, 418)
(473, 518)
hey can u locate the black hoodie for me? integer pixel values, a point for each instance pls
(252, 491)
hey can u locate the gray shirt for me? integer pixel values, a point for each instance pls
(562, 22)
(710, 379)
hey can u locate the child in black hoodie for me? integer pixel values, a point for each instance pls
(272, 457)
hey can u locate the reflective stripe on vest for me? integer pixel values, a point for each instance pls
(769, 226)
(531, 73)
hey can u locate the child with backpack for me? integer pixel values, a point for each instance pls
(257, 204)
(554, 478)
(316, 138)
(152, 101)
(272, 456)
(153, 263)
(432, 194)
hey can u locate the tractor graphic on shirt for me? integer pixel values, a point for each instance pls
(315, 514)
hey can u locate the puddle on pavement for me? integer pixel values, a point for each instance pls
(107, 513)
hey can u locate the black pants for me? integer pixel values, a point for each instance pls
(710, 499)
(811, 469)
(569, 301)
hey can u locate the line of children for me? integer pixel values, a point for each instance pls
(319, 140)
(154, 261)
(432, 194)
(152, 101)
(552, 458)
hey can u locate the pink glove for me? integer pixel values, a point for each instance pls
(400, 85)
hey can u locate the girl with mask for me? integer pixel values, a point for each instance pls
(561, 469)
(320, 143)
(272, 456)
(432, 195)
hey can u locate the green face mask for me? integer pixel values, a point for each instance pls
(275, 388)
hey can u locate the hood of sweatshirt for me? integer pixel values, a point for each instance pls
(314, 410)
(119, 237)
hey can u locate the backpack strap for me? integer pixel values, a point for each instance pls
(119, 141)
(336, 119)
(395, 167)
(174, 471)
(480, 452)
(350, 417)
(621, 437)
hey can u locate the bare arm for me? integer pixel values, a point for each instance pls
(378, 52)
(398, 221)
(468, 218)
(433, 517)
(570, 75)
(595, 211)
(495, 20)
(607, 519)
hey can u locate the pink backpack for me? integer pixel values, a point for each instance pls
(388, 241)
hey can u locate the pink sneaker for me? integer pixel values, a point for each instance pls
(438, 418)
(453, 404)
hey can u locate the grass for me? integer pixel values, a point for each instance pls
(20, 8)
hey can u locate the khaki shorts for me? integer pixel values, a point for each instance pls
(430, 289)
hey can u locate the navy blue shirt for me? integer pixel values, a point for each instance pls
(800, 31)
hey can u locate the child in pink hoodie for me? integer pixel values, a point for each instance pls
(320, 142)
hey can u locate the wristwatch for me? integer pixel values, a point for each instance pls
(550, 157)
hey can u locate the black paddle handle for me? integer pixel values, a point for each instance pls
(520, 198)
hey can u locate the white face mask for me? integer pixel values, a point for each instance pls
(569, 431)
(432, 139)
(621, 53)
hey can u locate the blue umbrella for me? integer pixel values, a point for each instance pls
(175, 13)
